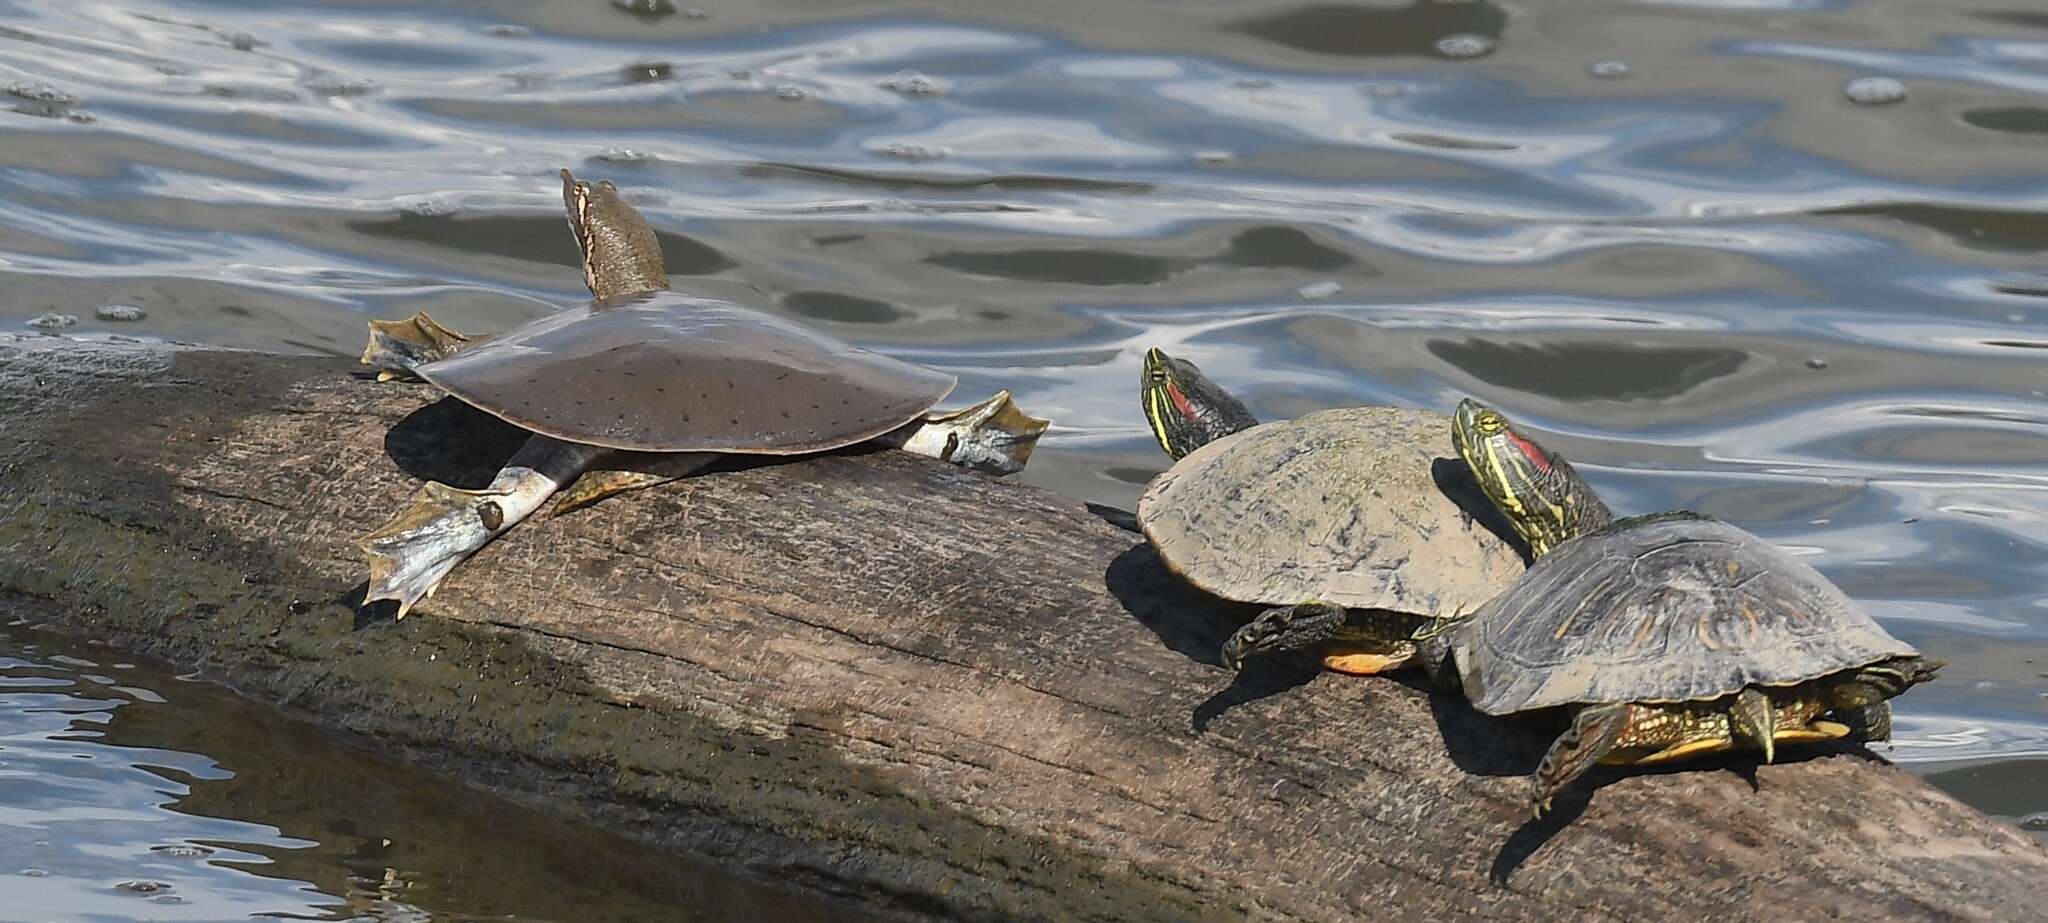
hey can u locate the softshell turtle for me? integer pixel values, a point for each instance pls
(642, 369)
(1669, 635)
(1335, 518)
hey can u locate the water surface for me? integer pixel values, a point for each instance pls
(1658, 232)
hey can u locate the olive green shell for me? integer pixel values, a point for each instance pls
(1339, 505)
(666, 372)
(1667, 608)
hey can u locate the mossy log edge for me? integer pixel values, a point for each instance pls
(881, 677)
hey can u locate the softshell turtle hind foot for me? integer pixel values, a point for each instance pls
(398, 346)
(1361, 642)
(443, 526)
(992, 437)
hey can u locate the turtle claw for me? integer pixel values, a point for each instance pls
(410, 555)
(993, 437)
(397, 346)
(1754, 720)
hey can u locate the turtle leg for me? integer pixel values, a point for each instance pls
(409, 555)
(1754, 721)
(1595, 730)
(993, 437)
(397, 346)
(1869, 723)
(1283, 629)
(647, 470)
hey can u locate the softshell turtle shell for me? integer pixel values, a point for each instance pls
(666, 372)
(1662, 608)
(1339, 505)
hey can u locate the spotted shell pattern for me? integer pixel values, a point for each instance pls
(1339, 505)
(665, 372)
(1666, 608)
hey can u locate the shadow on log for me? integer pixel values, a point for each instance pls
(882, 677)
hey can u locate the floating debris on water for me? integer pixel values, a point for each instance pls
(1465, 46)
(786, 91)
(647, 7)
(1609, 70)
(53, 321)
(912, 83)
(1816, 363)
(341, 85)
(1323, 289)
(40, 93)
(1251, 83)
(44, 101)
(428, 207)
(1213, 157)
(143, 887)
(243, 41)
(623, 155)
(1874, 91)
(916, 153)
(649, 71)
(183, 850)
(119, 312)
(508, 30)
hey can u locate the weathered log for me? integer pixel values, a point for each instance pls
(883, 677)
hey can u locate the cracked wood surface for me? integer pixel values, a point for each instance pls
(882, 677)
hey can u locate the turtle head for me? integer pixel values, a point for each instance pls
(620, 253)
(1186, 409)
(1545, 500)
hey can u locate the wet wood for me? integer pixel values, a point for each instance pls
(880, 676)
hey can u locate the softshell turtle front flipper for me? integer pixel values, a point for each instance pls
(444, 525)
(397, 347)
(1361, 642)
(994, 436)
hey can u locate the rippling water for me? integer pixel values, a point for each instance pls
(109, 811)
(1660, 232)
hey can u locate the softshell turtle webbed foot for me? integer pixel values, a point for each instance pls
(411, 554)
(639, 470)
(398, 346)
(994, 436)
(443, 526)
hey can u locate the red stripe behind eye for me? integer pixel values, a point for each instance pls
(1529, 450)
(1180, 401)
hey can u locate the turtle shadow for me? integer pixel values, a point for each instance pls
(1195, 624)
(1514, 745)
(1186, 620)
(1455, 479)
(452, 442)
(1262, 677)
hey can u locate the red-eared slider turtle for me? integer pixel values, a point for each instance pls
(1669, 635)
(646, 370)
(1336, 519)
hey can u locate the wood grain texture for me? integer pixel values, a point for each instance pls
(884, 677)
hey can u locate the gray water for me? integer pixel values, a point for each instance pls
(1661, 233)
